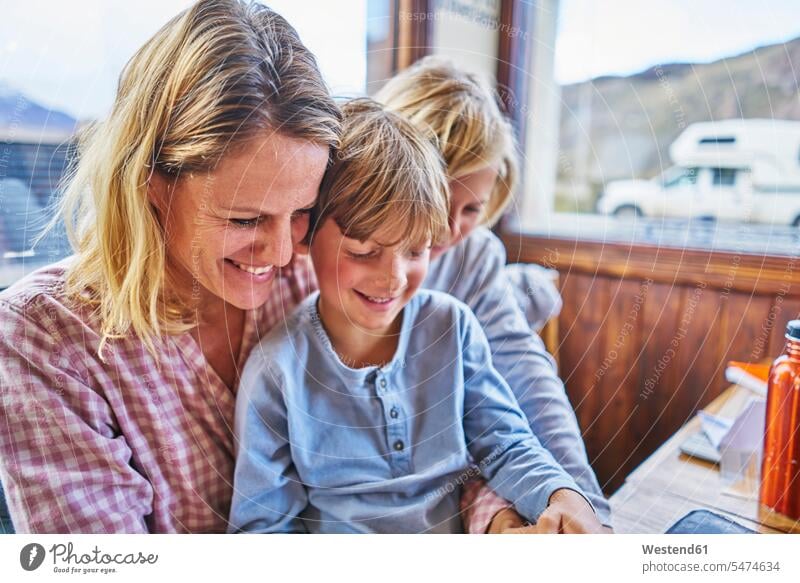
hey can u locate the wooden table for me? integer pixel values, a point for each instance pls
(669, 484)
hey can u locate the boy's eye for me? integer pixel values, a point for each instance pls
(367, 255)
(472, 209)
(417, 253)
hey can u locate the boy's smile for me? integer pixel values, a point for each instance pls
(364, 285)
(377, 303)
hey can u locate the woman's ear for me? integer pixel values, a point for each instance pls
(158, 192)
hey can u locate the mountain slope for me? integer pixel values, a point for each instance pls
(19, 113)
(634, 119)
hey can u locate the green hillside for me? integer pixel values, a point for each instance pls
(621, 127)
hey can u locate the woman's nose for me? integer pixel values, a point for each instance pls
(274, 243)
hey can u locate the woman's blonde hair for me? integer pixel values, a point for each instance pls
(388, 175)
(465, 115)
(211, 79)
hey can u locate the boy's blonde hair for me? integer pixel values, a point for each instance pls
(387, 176)
(212, 78)
(464, 114)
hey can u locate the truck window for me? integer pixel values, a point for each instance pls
(723, 176)
(718, 140)
(681, 177)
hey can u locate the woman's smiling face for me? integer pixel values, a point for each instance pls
(227, 231)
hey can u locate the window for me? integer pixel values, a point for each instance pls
(31, 173)
(628, 112)
(676, 177)
(60, 70)
(726, 140)
(723, 176)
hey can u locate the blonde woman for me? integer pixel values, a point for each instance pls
(478, 148)
(119, 366)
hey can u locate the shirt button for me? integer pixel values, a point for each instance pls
(394, 413)
(383, 383)
(399, 445)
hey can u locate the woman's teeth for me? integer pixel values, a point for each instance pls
(252, 269)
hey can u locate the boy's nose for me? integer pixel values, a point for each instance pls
(394, 277)
(397, 282)
(455, 228)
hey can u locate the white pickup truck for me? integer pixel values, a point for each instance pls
(732, 170)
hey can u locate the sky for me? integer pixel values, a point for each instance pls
(601, 37)
(68, 54)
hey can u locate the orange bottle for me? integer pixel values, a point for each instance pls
(780, 470)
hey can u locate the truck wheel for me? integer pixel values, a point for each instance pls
(628, 211)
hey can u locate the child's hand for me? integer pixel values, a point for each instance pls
(568, 512)
(505, 522)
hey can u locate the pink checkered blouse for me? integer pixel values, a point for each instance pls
(132, 444)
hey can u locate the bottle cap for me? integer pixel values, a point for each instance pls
(793, 330)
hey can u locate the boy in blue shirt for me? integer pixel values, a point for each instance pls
(364, 411)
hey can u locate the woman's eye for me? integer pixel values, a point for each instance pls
(246, 222)
(471, 210)
(299, 214)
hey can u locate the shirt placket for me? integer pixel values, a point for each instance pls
(394, 416)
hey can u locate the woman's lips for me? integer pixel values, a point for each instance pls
(256, 273)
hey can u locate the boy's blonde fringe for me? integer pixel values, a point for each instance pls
(388, 177)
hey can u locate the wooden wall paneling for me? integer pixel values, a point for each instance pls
(620, 358)
(618, 367)
(747, 327)
(579, 340)
(648, 409)
(639, 403)
(660, 313)
(580, 350)
(664, 264)
(699, 356)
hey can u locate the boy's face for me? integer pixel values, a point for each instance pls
(469, 196)
(365, 284)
